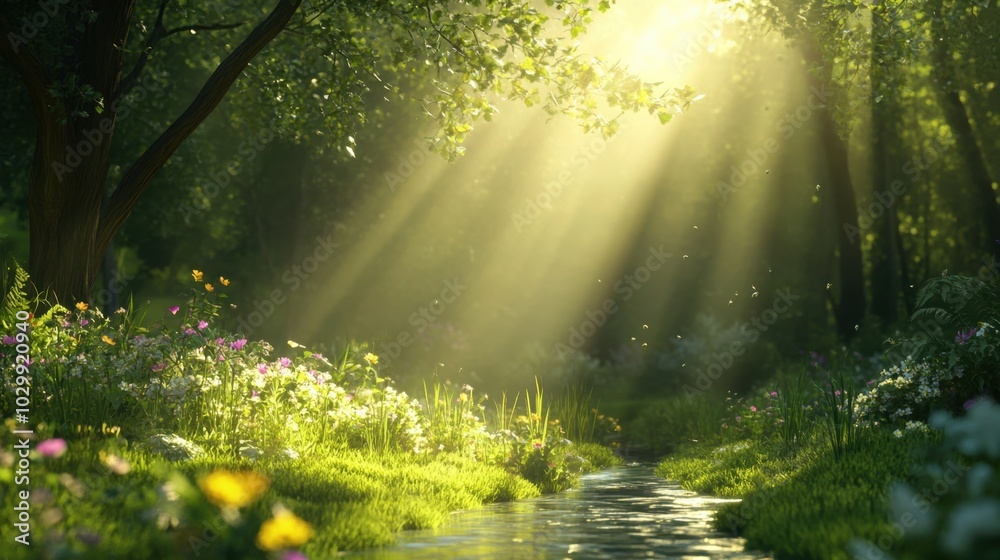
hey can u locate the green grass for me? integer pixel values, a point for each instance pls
(352, 499)
(807, 505)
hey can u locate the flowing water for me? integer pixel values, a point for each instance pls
(619, 513)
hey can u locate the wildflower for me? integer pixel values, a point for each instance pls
(84, 322)
(116, 464)
(463, 397)
(173, 310)
(467, 387)
(108, 340)
(371, 358)
(898, 433)
(9, 340)
(223, 281)
(283, 531)
(285, 362)
(202, 325)
(81, 306)
(293, 555)
(220, 341)
(233, 489)
(774, 393)
(209, 288)
(536, 444)
(120, 310)
(197, 275)
(963, 337)
(51, 448)
(189, 331)
(158, 367)
(262, 368)
(753, 408)
(238, 344)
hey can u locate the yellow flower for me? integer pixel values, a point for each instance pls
(233, 489)
(283, 531)
(107, 339)
(371, 358)
(209, 288)
(463, 397)
(224, 281)
(197, 275)
(82, 306)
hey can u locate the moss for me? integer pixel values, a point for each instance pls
(597, 456)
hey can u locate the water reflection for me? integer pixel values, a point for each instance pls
(621, 513)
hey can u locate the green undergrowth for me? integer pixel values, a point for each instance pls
(351, 498)
(802, 505)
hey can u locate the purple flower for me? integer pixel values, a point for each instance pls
(293, 555)
(285, 362)
(219, 341)
(238, 344)
(84, 322)
(202, 325)
(51, 447)
(963, 337)
(189, 331)
(159, 367)
(970, 403)
(173, 310)
(9, 340)
(262, 368)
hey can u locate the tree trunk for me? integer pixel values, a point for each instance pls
(70, 229)
(957, 117)
(850, 309)
(885, 280)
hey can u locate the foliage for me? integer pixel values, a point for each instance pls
(952, 509)
(791, 395)
(662, 426)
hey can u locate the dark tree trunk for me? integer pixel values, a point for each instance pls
(885, 279)
(850, 309)
(70, 229)
(958, 120)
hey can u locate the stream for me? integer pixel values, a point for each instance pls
(619, 513)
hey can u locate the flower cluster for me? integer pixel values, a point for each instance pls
(906, 392)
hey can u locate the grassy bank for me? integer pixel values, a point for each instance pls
(174, 437)
(806, 505)
(102, 499)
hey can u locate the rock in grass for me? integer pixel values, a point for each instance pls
(174, 448)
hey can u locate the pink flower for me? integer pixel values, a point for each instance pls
(285, 362)
(836, 393)
(262, 368)
(51, 448)
(293, 555)
(84, 322)
(753, 408)
(202, 325)
(219, 341)
(221, 358)
(238, 344)
(9, 340)
(158, 367)
(774, 393)
(189, 331)
(173, 310)
(963, 337)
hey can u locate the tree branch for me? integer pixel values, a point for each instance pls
(137, 178)
(159, 33)
(34, 73)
